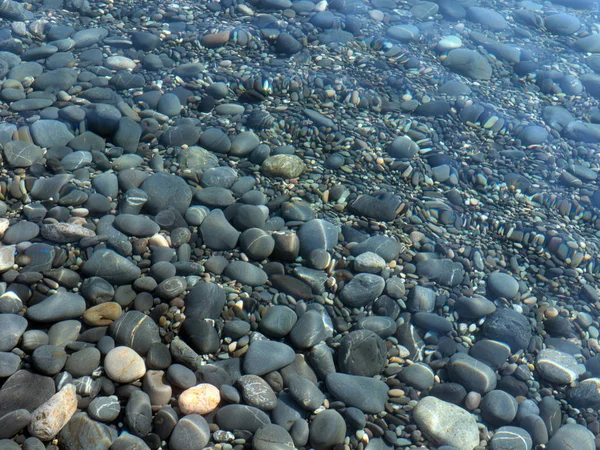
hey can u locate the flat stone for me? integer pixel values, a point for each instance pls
(57, 307)
(82, 432)
(12, 327)
(365, 393)
(191, 432)
(265, 356)
(136, 330)
(471, 373)
(241, 417)
(111, 266)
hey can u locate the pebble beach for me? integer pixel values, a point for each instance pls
(277, 224)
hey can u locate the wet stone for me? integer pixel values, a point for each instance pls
(507, 438)
(256, 392)
(365, 393)
(192, 431)
(104, 409)
(509, 326)
(471, 373)
(327, 429)
(362, 352)
(362, 290)
(265, 356)
(557, 367)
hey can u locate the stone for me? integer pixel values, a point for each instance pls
(469, 63)
(241, 417)
(138, 413)
(104, 409)
(446, 424)
(327, 430)
(63, 233)
(511, 438)
(12, 327)
(265, 356)
(501, 284)
(557, 367)
(362, 290)
(498, 408)
(217, 233)
(82, 432)
(25, 390)
(124, 365)
(570, 433)
(135, 330)
(49, 133)
(57, 307)
(111, 266)
(191, 433)
(509, 326)
(257, 392)
(363, 353)
(471, 373)
(22, 154)
(272, 437)
(365, 393)
(284, 166)
(201, 399)
(166, 191)
(50, 417)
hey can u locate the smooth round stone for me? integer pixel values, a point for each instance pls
(222, 177)
(418, 375)
(257, 392)
(124, 365)
(181, 377)
(20, 153)
(265, 356)
(138, 413)
(201, 335)
(369, 262)
(12, 327)
(569, 434)
(306, 393)
(49, 359)
(200, 399)
(487, 17)
(9, 364)
(83, 362)
(327, 429)
(166, 191)
(558, 367)
(20, 232)
(449, 43)
(65, 232)
(432, 322)
(501, 284)
(498, 408)
(119, 63)
(229, 109)
(13, 422)
(586, 394)
(191, 432)
(284, 166)
(317, 234)
(469, 63)
(403, 33)
(363, 289)
(128, 441)
(277, 321)
(365, 393)
(471, 373)
(244, 143)
(112, 267)
(421, 299)
(536, 428)
(241, 417)
(83, 432)
(474, 307)
(217, 233)
(195, 215)
(511, 438)
(104, 409)
(246, 273)
(308, 331)
(446, 424)
(236, 329)
(134, 225)
(257, 244)
(135, 330)
(493, 353)
(445, 271)
(363, 353)
(97, 290)
(382, 326)
(57, 307)
(509, 326)
(169, 105)
(272, 437)
(50, 133)
(215, 140)
(103, 314)
(205, 301)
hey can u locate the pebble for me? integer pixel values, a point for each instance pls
(124, 365)
(365, 393)
(191, 432)
(446, 424)
(50, 417)
(557, 367)
(201, 399)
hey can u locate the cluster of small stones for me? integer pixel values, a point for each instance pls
(273, 225)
